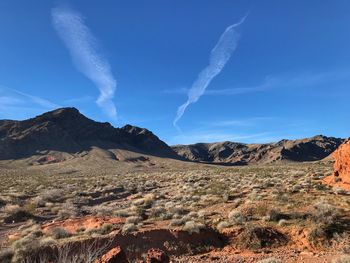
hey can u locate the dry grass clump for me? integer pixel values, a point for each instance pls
(193, 227)
(52, 195)
(6, 255)
(2, 203)
(122, 212)
(326, 224)
(270, 260)
(133, 220)
(26, 248)
(15, 213)
(128, 228)
(236, 217)
(257, 237)
(342, 259)
(59, 233)
(222, 225)
(105, 229)
(325, 213)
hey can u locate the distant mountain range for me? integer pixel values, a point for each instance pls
(67, 131)
(309, 149)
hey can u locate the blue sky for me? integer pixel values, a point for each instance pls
(287, 73)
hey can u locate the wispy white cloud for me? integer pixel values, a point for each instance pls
(82, 46)
(79, 100)
(288, 80)
(219, 56)
(14, 103)
(248, 122)
(214, 136)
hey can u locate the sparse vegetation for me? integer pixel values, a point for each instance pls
(270, 260)
(342, 259)
(256, 203)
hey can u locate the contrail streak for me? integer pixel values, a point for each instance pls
(82, 47)
(219, 56)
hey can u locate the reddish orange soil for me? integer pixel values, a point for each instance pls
(205, 246)
(89, 222)
(113, 256)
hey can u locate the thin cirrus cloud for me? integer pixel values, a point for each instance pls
(15, 103)
(296, 80)
(82, 46)
(219, 56)
(207, 136)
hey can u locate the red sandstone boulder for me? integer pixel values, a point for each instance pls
(342, 163)
(115, 255)
(155, 255)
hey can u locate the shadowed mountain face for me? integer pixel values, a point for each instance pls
(310, 149)
(67, 130)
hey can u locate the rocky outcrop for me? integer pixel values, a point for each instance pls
(342, 163)
(309, 149)
(66, 130)
(156, 255)
(115, 255)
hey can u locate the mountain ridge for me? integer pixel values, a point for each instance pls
(308, 149)
(67, 130)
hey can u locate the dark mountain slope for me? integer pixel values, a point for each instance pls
(67, 130)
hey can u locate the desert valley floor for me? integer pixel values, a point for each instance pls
(194, 212)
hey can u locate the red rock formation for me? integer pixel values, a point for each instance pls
(115, 255)
(155, 255)
(342, 163)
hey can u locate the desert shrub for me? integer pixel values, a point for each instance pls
(270, 260)
(53, 196)
(128, 228)
(38, 201)
(176, 222)
(138, 202)
(26, 249)
(236, 217)
(68, 210)
(223, 225)
(178, 209)
(160, 212)
(133, 220)
(106, 229)
(193, 227)
(149, 199)
(81, 229)
(255, 237)
(87, 252)
(274, 215)
(323, 233)
(2, 203)
(326, 225)
(342, 259)
(6, 255)
(101, 211)
(59, 233)
(325, 213)
(339, 191)
(122, 213)
(282, 222)
(15, 213)
(140, 211)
